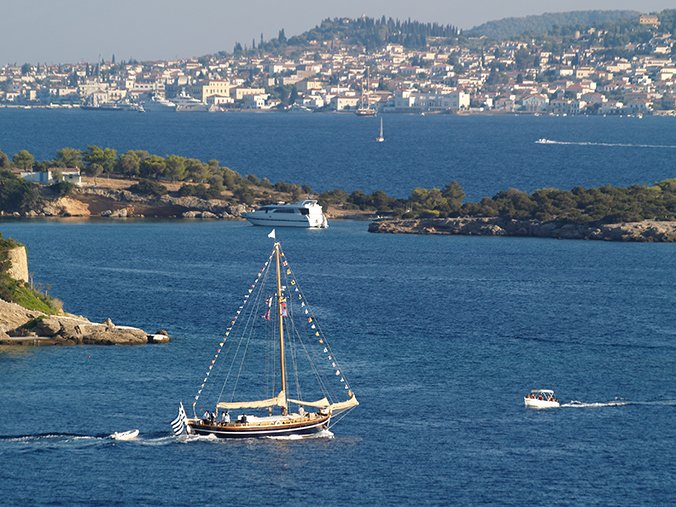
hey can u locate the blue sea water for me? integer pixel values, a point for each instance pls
(439, 336)
(485, 154)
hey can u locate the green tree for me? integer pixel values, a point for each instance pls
(148, 187)
(153, 166)
(454, 194)
(24, 160)
(176, 168)
(106, 158)
(4, 159)
(68, 157)
(130, 163)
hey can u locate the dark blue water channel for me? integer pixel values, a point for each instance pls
(440, 337)
(485, 154)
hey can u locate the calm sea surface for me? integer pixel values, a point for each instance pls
(440, 336)
(485, 154)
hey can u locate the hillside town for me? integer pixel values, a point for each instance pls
(451, 75)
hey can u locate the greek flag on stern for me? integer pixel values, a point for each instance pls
(178, 424)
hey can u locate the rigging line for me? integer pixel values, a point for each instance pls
(260, 285)
(291, 332)
(239, 343)
(322, 386)
(321, 382)
(342, 416)
(228, 332)
(322, 335)
(234, 321)
(250, 321)
(315, 370)
(294, 356)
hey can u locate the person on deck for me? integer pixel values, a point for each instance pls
(226, 417)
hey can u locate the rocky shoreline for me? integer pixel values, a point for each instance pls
(19, 326)
(116, 203)
(644, 231)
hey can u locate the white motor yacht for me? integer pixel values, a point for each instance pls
(541, 398)
(298, 214)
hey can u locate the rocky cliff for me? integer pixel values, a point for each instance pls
(645, 231)
(19, 326)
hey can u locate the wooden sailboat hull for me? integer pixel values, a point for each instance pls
(254, 430)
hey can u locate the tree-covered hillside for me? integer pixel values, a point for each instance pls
(549, 23)
(369, 33)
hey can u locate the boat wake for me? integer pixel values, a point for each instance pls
(616, 403)
(321, 434)
(65, 439)
(611, 145)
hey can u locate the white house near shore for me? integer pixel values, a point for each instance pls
(53, 175)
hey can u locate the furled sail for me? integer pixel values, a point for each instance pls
(278, 401)
(319, 403)
(344, 405)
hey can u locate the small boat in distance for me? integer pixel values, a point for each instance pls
(272, 346)
(306, 213)
(541, 398)
(125, 435)
(544, 140)
(380, 137)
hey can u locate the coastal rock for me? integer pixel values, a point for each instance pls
(192, 203)
(105, 335)
(19, 326)
(199, 214)
(121, 213)
(49, 326)
(13, 316)
(66, 206)
(236, 210)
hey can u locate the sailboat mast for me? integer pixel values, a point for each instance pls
(281, 321)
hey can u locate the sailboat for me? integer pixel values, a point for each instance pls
(365, 108)
(380, 137)
(280, 377)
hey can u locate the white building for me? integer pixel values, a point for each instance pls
(53, 175)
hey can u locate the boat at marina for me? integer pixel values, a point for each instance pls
(541, 398)
(306, 213)
(187, 104)
(159, 104)
(281, 377)
(381, 136)
(365, 108)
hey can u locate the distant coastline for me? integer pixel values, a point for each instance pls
(643, 231)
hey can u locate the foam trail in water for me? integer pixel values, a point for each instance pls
(612, 145)
(616, 403)
(79, 439)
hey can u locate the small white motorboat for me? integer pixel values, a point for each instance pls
(125, 435)
(541, 398)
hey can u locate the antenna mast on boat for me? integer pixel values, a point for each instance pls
(280, 303)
